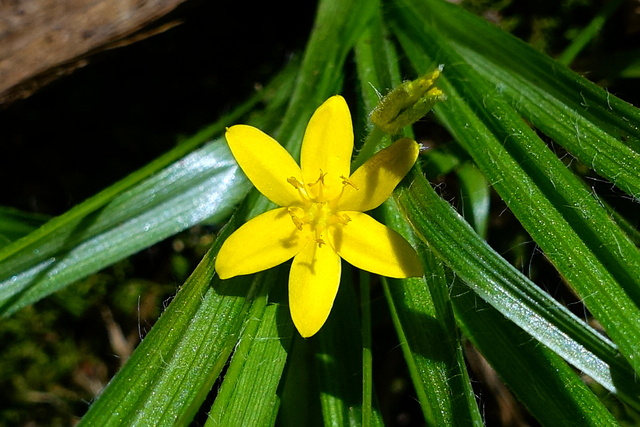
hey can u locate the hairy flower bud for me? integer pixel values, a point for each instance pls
(408, 103)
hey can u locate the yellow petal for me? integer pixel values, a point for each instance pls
(327, 146)
(261, 243)
(372, 246)
(374, 181)
(265, 162)
(313, 285)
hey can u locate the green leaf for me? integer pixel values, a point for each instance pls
(174, 367)
(433, 352)
(337, 351)
(544, 382)
(367, 351)
(576, 233)
(15, 224)
(338, 25)
(584, 118)
(475, 197)
(300, 393)
(204, 185)
(338, 362)
(253, 376)
(588, 33)
(172, 193)
(511, 293)
(423, 317)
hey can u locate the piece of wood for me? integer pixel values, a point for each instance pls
(41, 40)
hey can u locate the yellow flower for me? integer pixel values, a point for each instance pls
(321, 216)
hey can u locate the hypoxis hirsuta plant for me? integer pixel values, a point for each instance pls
(321, 216)
(492, 82)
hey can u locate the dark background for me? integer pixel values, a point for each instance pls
(83, 132)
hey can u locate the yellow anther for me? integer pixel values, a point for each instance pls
(346, 181)
(340, 218)
(297, 221)
(296, 184)
(320, 179)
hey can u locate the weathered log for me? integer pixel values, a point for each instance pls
(40, 40)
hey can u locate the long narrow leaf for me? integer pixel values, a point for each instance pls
(174, 367)
(543, 381)
(506, 289)
(15, 224)
(202, 186)
(209, 318)
(573, 102)
(433, 353)
(524, 178)
(253, 376)
(338, 361)
(170, 194)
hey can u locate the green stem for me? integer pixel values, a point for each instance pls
(370, 146)
(367, 361)
(588, 33)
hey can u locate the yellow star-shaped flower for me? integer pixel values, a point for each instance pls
(321, 216)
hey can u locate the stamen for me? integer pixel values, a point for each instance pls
(319, 240)
(345, 182)
(296, 184)
(297, 221)
(319, 193)
(320, 179)
(340, 218)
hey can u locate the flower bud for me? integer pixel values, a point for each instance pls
(408, 103)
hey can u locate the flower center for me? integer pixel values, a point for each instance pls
(315, 213)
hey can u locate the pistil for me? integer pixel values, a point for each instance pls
(316, 212)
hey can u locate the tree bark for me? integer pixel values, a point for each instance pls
(41, 40)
